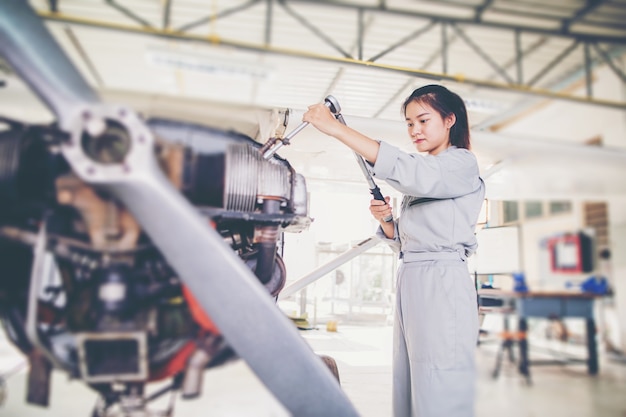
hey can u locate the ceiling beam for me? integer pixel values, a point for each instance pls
(262, 48)
(558, 30)
(212, 17)
(167, 9)
(128, 13)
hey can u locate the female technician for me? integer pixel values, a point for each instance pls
(436, 318)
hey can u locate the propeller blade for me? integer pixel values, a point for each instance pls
(33, 53)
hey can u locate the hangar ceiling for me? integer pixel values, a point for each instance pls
(370, 53)
(500, 55)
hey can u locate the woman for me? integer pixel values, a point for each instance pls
(436, 318)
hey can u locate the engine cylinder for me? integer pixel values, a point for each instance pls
(249, 177)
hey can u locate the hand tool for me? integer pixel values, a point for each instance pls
(274, 144)
(335, 109)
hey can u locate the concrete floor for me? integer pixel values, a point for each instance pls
(363, 355)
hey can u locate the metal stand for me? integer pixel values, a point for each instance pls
(316, 274)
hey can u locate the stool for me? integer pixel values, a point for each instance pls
(509, 338)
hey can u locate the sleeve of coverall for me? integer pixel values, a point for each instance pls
(393, 243)
(451, 174)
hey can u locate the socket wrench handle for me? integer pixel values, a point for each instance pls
(379, 196)
(335, 108)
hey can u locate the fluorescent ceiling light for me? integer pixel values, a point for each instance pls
(208, 64)
(484, 106)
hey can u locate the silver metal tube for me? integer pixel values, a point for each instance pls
(192, 383)
(280, 142)
(374, 190)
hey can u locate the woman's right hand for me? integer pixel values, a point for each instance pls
(321, 117)
(380, 210)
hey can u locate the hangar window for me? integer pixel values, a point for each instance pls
(557, 207)
(510, 212)
(518, 211)
(533, 209)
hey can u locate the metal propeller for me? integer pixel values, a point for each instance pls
(226, 289)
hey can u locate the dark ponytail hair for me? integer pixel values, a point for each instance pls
(445, 102)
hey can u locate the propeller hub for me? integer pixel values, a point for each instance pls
(110, 146)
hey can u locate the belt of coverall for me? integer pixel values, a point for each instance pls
(431, 256)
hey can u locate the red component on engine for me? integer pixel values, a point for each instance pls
(198, 313)
(175, 365)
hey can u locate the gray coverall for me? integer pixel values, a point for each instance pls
(436, 317)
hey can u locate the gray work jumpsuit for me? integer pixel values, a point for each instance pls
(436, 317)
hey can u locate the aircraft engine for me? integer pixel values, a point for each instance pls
(83, 288)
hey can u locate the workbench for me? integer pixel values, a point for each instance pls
(552, 305)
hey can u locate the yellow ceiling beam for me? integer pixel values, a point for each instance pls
(215, 39)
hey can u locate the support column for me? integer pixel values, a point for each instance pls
(617, 233)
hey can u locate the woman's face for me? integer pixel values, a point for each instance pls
(428, 130)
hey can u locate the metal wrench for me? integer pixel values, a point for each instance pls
(335, 109)
(274, 144)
